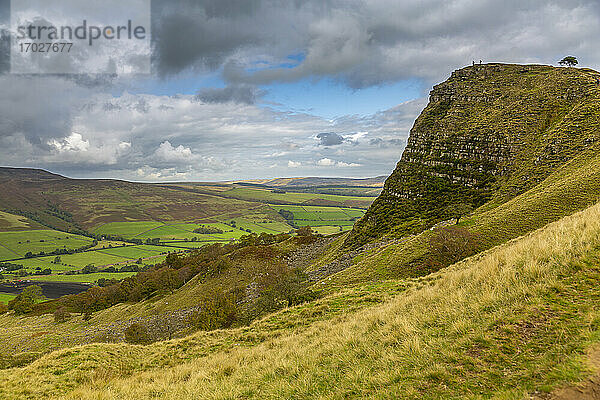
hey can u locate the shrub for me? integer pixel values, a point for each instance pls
(216, 310)
(137, 334)
(304, 231)
(203, 229)
(89, 269)
(24, 302)
(3, 308)
(451, 244)
(286, 214)
(280, 288)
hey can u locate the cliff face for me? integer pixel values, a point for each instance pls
(489, 132)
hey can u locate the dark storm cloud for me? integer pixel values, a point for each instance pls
(207, 34)
(330, 139)
(364, 43)
(35, 107)
(237, 94)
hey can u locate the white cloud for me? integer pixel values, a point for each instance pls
(74, 142)
(343, 164)
(116, 136)
(167, 152)
(326, 162)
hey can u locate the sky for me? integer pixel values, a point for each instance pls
(243, 89)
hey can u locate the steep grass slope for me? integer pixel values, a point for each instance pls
(506, 323)
(488, 134)
(572, 187)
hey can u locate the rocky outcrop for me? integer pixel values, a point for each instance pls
(489, 132)
(346, 260)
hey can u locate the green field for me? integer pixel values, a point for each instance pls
(179, 231)
(269, 196)
(117, 256)
(131, 252)
(6, 297)
(126, 229)
(329, 230)
(324, 220)
(175, 235)
(16, 244)
(320, 213)
(12, 222)
(193, 245)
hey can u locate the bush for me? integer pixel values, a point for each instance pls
(61, 315)
(451, 244)
(217, 310)
(203, 229)
(89, 269)
(286, 214)
(24, 302)
(304, 231)
(137, 334)
(3, 308)
(282, 288)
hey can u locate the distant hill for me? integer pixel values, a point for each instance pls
(364, 187)
(79, 205)
(316, 181)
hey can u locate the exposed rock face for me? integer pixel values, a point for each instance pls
(489, 132)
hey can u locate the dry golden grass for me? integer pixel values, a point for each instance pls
(505, 323)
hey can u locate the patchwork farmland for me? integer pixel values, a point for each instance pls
(124, 227)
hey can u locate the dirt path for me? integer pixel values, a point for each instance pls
(586, 390)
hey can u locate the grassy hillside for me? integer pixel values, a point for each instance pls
(489, 133)
(72, 204)
(11, 222)
(517, 143)
(248, 275)
(571, 188)
(510, 322)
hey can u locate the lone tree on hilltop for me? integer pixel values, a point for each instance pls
(569, 61)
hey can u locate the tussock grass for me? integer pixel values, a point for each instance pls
(502, 324)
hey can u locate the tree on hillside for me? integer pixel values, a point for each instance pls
(24, 302)
(216, 310)
(569, 61)
(304, 231)
(459, 210)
